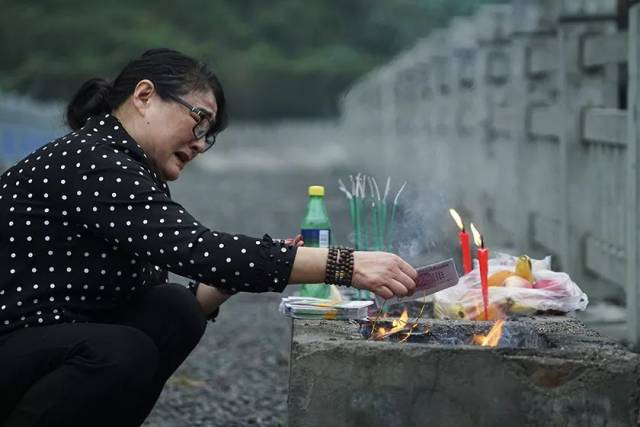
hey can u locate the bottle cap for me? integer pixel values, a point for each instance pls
(316, 190)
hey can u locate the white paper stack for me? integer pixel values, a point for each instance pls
(318, 308)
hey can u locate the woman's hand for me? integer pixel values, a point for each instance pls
(296, 241)
(383, 273)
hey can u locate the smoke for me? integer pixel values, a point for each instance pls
(424, 232)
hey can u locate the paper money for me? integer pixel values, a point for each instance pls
(431, 279)
(317, 308)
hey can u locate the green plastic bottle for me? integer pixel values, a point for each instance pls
(316, 233)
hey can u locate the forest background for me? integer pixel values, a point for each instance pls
(276, 58)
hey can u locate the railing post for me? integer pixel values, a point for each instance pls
(496, 189)
(534, 26)
(463, 130)
(633, 162)
(441, 108)
(578, 90)
(534, 85)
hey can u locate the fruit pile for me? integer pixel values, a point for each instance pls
(517, 286)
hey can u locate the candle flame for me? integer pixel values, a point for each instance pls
(477, 237)
(457, 219)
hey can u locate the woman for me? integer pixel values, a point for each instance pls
(90, 330)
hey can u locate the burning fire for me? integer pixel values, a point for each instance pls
(457, 219)
(492, 338)
(396, 326)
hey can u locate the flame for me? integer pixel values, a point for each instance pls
(396, 326)
(457, 219)
(400, 323)
(492, 338)
(477, 237)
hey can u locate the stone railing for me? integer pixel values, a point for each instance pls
(528, 116)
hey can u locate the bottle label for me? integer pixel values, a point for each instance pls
(315, 238)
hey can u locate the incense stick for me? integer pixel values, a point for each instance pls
(386, 189)
(393, 211)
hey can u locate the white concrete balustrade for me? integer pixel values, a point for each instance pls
(527, 115)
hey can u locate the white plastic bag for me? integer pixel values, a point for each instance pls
(551, 292)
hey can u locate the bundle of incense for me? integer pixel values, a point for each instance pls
(318, 308)
(376, 233)
(372, 227)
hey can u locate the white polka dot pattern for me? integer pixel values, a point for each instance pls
(86, 223)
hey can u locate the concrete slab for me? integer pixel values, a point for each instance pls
(577, 379)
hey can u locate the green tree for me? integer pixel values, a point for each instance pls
(277, 58)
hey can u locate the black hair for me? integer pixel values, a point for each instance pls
(172, 73)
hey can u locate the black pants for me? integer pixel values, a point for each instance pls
(108, 373)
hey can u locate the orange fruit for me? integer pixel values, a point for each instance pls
(498, 278)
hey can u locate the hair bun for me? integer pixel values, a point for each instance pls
(91, 99)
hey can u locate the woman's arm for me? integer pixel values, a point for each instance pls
(119, 201)
(383, 273)
(309, 265)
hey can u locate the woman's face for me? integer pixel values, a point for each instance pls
(170, 141)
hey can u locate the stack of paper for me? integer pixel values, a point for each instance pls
(318, 308)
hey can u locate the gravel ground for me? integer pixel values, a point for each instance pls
(239, 373)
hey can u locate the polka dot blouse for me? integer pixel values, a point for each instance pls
(86, 223)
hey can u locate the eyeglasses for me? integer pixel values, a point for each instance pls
(204, 126)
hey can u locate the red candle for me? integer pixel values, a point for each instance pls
(466, 253)
(483, 262)
(464, 242)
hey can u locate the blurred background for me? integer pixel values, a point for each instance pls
(476, 105)
(285, 67)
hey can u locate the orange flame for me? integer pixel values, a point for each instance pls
(477, 237)
(492, 338)
(456, 218)
(396, 326)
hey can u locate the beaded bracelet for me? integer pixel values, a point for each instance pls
(332, 265)
(339, 270)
